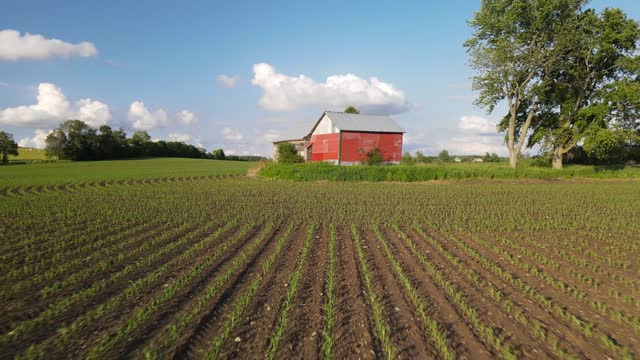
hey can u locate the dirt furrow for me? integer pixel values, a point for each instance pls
(303, 334)
(165, 310)
(579, 308)
(250, 336)
(205, 323)
(65, 315)
(353, 337)
(488, 309)
(562, 331)
(406, 331)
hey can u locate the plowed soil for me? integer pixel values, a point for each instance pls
(172, 266)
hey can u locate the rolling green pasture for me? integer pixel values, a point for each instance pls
(77, 172)
(439, 171)
(29, 154)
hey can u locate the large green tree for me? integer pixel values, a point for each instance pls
(593, 88)
(512, 46)
(55, 144)
(7, 146)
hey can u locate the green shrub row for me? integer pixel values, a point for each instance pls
(401, 173)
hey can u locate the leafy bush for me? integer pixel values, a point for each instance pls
(374, 157)
(287, 154)
(407, 159)
(493, 157)
(444, 156)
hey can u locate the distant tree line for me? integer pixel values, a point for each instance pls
(444, 156)
(76, 140)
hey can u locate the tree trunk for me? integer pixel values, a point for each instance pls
(513, 159)
(556, 161)
(5, 158)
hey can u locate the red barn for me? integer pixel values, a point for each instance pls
(342, 138)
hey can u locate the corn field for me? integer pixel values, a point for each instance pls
(232, 267)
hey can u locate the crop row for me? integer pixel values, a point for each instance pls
(66, 333)
(541, 300)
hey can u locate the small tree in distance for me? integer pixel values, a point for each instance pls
(351, 110)
(7, 146)
(218, 154)
(444, 156)
(421, 158)
(407, 159)
(287, 154)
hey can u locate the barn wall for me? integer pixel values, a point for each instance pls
(325, 126)
(324, 147)
(356, 144)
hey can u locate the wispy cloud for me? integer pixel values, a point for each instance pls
(227, 81)
(14, 46)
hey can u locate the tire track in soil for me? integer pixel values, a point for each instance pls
(63, 319)
(583, 311)
(165, 312)
(303, 334)
(488, 310)
(201, 328)
(406, 330)
(463, 340)
(353, 335)
(261, 315)
(531, 309)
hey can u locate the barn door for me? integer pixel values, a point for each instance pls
(309, 153)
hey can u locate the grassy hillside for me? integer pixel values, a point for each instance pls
(28, 154)
(426, 172)
(74, 172)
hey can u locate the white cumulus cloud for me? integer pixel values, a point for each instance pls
(37, 141)
(14, 46)
(187, 117)
(283, 92)
(142, 118)
(232, 134)
(52, 107)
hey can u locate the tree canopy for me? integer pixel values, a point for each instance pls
(351, 110)
(75, 140)
(7, 146)
(561, 68)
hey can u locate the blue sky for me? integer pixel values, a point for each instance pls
(227, 74)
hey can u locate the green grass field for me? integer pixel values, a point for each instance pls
(78, 172)
(29, 154)
(439, 171)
